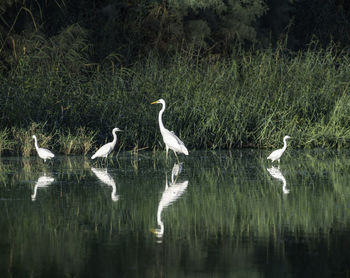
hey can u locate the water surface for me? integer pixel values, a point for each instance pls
(217, 214)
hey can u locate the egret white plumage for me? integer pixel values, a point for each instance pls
(276, 155)
(105, 150)
(171, 141)
(43, 153)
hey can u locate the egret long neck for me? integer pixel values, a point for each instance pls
(161, 126)
(114, 138)
(36, 143)
(284, 144)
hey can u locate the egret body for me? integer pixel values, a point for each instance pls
(105, 150)
(171, 141)
(43, 153)
(276, 155)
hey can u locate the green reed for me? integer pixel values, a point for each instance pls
(5, 143)
(80, 142)
(24, 142)
(252, 99)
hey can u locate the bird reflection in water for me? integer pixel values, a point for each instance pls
(277, 174)
(171, 193)
(43, 182)
(103, 176)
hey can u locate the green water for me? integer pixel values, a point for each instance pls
(218, 214)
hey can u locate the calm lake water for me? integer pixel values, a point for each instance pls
(218, 214)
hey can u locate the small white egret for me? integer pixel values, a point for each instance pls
(276, 155)
(43, 153)
(105, 150)
(171, 141)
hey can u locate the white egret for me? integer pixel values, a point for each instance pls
(276, 155)
(43, 153)
(105, 150)
(171, 141)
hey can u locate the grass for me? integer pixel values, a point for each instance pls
(5, 143)
(250, 100)
(80, 142)
(23, 141)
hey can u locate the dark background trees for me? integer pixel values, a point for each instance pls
(123, 31)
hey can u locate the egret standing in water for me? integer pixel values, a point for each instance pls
(43, 153)
(171, 141)
(276, 155)
(105, 150)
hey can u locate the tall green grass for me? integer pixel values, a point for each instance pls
(250, 100)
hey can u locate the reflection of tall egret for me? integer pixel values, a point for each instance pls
(105, 150)
(43, 181)
(43, 153)
(171, 141)
(177, 169)
(171, 193)
(276, 155)
(276, 173)
(106, 178)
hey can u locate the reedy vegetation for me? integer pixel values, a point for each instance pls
(252, 99)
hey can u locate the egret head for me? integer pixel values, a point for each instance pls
(287, 137)
(34, 137)
(162, 101)
(116, 129)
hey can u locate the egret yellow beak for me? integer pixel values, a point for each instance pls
(154, 102)
(154, 231)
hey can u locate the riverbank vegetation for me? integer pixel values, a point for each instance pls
(245, 93)
(249, 100)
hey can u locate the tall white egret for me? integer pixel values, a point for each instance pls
(43, 153)
(276, 155)
(105, 150)
(171, 141)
